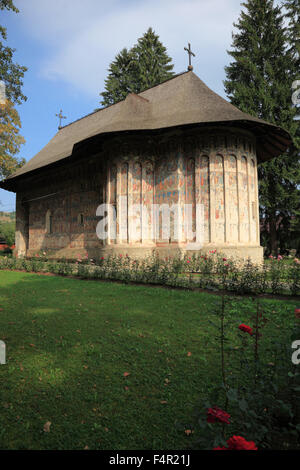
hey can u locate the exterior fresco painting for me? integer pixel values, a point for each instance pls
(218, 173)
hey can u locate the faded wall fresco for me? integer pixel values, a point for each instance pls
(191, 193)
(122, 233)
(244, 202)
(253, 200)
(112, 191)
(147, 200)
(113, 184)
(232, 203)
(220, 174)
(167, 184)
(135, 198)
(211, 180)
(204, 194)
(217, 181)
(76, 201)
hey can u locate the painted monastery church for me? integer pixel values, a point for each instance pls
(177, 143)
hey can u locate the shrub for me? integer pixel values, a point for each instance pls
(212, 271)
(257, 399)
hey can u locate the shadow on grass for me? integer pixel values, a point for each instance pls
(69, 344)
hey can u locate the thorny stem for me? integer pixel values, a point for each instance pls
(256, 339)
(223, 357)
(223, 332)
(222, 340)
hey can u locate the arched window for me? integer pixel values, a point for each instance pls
(49, 222)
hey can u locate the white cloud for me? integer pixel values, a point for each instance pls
(81, 38)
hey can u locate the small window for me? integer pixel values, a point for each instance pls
(80, 219)
(49, 222)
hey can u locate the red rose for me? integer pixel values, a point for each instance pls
(239, 443)
(215, 414)
(224, 259)
(297, 313)
(246, 329)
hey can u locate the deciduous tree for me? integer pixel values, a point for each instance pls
(11, 75)
(10, 140)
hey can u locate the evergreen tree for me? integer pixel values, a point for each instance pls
(292, 13)
(145, 65)
(121, 78)
(292, 8)
(153, 63)
(259, 82)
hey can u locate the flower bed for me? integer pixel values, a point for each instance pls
(211, 271)
(255, 397)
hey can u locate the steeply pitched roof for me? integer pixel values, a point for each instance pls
(182, 100)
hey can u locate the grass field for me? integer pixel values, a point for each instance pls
(70, 342)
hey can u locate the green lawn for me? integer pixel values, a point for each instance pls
(69, 343)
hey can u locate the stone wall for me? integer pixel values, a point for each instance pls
(56, 212)
(215, 169)
(61, 211)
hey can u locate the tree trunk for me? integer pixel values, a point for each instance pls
(273, 235)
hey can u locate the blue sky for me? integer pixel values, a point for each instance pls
(68, 45)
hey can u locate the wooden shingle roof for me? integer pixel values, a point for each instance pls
(182, 100)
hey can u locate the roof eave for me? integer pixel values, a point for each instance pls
(270, 143)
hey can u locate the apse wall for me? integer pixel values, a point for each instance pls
(216, 171)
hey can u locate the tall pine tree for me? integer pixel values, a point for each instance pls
(292, 13)
(153, 63)
(145, 65)
(121, 78)
(259, 82)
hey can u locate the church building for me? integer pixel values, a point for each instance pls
(176, 144)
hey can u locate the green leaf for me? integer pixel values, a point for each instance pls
(243, 405)
(232, 394)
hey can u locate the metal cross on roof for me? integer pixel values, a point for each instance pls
(60, 116)
(190, 53)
